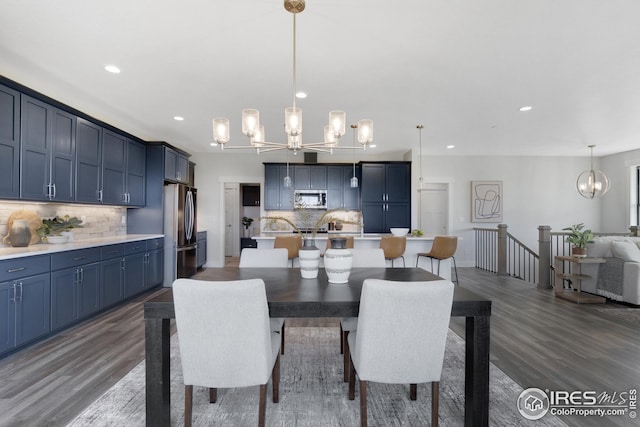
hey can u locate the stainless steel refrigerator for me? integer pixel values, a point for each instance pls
(180, 232)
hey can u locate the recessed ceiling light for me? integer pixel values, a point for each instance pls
(372, 146)
(213, 144)
(178, 118)
(449, 147)
(112, 69)
(526, 108)
(301, 95)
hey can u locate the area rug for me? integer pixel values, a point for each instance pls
(312, 393)
(629, 314)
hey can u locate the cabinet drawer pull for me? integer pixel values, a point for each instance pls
(78, 258)
(13, 270)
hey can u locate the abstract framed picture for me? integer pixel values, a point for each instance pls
(486, 201)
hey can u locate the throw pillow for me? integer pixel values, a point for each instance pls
(627, 251)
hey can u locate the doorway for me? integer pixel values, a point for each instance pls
(434, 209)
(231, 219)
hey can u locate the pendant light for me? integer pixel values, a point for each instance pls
(287, 178)
(420, 178)
(592, 183)
(354, 178)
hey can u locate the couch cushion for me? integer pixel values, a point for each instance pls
(627, 251)
(600, 248)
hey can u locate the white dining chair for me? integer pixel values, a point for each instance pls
(362, 258)
(400, 337)
(225, 339)
(267, 258)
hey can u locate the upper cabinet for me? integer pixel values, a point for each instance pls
(276, 195)
(251, 195)
(123, 170)
(386, 196)
(176, 166)
(340, 194)
(310, 177)
(88, 162)
(47, 152)
(9, 143)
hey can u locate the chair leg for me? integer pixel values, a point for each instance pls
(213, 395)
(262, 406)
(417, 260)
(413, 391)
(435, 402)
(282, 339)
(363, 403)
(275, 377)
(346, 356)
(188, 400)
(455, 268)
(403, 263)
(352, 380)
(438, 267)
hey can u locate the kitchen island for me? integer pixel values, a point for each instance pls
(415, 245)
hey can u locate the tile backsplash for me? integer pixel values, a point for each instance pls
(97, 221)
(308, 219)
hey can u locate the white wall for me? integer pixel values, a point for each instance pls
(537, 191)
(619, 202)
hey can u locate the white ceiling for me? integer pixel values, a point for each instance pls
(463, 68)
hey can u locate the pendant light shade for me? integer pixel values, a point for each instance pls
(220, 130)
(365, 131)
(592, 183)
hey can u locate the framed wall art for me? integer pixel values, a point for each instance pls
(486, 201)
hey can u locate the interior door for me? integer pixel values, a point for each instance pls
(231, 219)
(434, 209)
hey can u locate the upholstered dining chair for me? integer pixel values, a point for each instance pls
(290, 243)
(225, 340)
(361, 258)
(400, 337)
(443, 247)
(393, 247)
(267, 258)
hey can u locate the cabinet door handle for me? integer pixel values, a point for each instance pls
(122, 264)
(99, 195)
(54, 191)
(13, 270)
(20, 297)
(13, 300)
(81, 275)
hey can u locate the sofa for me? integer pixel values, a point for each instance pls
(618, 278)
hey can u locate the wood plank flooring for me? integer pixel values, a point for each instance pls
(537, 340)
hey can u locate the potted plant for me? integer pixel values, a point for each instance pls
(578, 237)
(58, 226)
(246, 221)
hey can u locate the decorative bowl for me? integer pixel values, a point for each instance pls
(56, 239)
(399, 231)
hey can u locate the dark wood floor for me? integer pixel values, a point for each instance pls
(535, 339)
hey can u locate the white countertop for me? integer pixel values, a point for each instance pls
(8, 252)
(324, 236)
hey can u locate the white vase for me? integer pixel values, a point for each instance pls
(309, 256)
(68, 235)
(338, 261)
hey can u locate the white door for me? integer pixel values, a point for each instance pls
(231, 219)
(434, 209)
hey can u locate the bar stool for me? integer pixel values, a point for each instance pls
(290, 243)
(444, 247)
(393, 247)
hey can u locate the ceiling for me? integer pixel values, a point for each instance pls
(462, 68)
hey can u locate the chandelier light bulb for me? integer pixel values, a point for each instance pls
(592, 183)
(338, 123)
(365, 131)
(293, 121)
(221, 130)
(250, 122)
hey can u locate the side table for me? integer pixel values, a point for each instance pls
(576, 294)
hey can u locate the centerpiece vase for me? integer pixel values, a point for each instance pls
(20, 233)
(309, 256)
(338, 260)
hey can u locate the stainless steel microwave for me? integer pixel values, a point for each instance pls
(311, 199)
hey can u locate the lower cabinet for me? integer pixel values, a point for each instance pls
(75, 294)
(25, 309)
(201, 249)
(112, 282)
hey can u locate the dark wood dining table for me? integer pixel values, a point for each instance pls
(288, 295)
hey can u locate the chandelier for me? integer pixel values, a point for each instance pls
(252, 128)
(592, 183)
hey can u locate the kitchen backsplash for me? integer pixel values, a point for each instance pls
(313, 215)
(97, 221)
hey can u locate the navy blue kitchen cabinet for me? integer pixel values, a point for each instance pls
(276, 195)
(176, 166)
(75, 286)
(123, 170)
(24, 300)
(47, 152)
(134, 268)
(340, 194)
(9, 143)
(385, 196)
(309, 177)
(112, 275)
(154, 263)
(88, 162)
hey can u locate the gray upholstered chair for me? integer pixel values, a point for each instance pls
(267, 258)
(361, 258)
(400, 337)
(225, 340)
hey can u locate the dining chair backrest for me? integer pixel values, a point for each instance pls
(393, 246)
(443, 247)
(402, 330)
(290, 243)
(368, 258)
(263, 258)
(223, 332)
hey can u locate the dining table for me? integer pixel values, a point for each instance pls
(289, 295)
